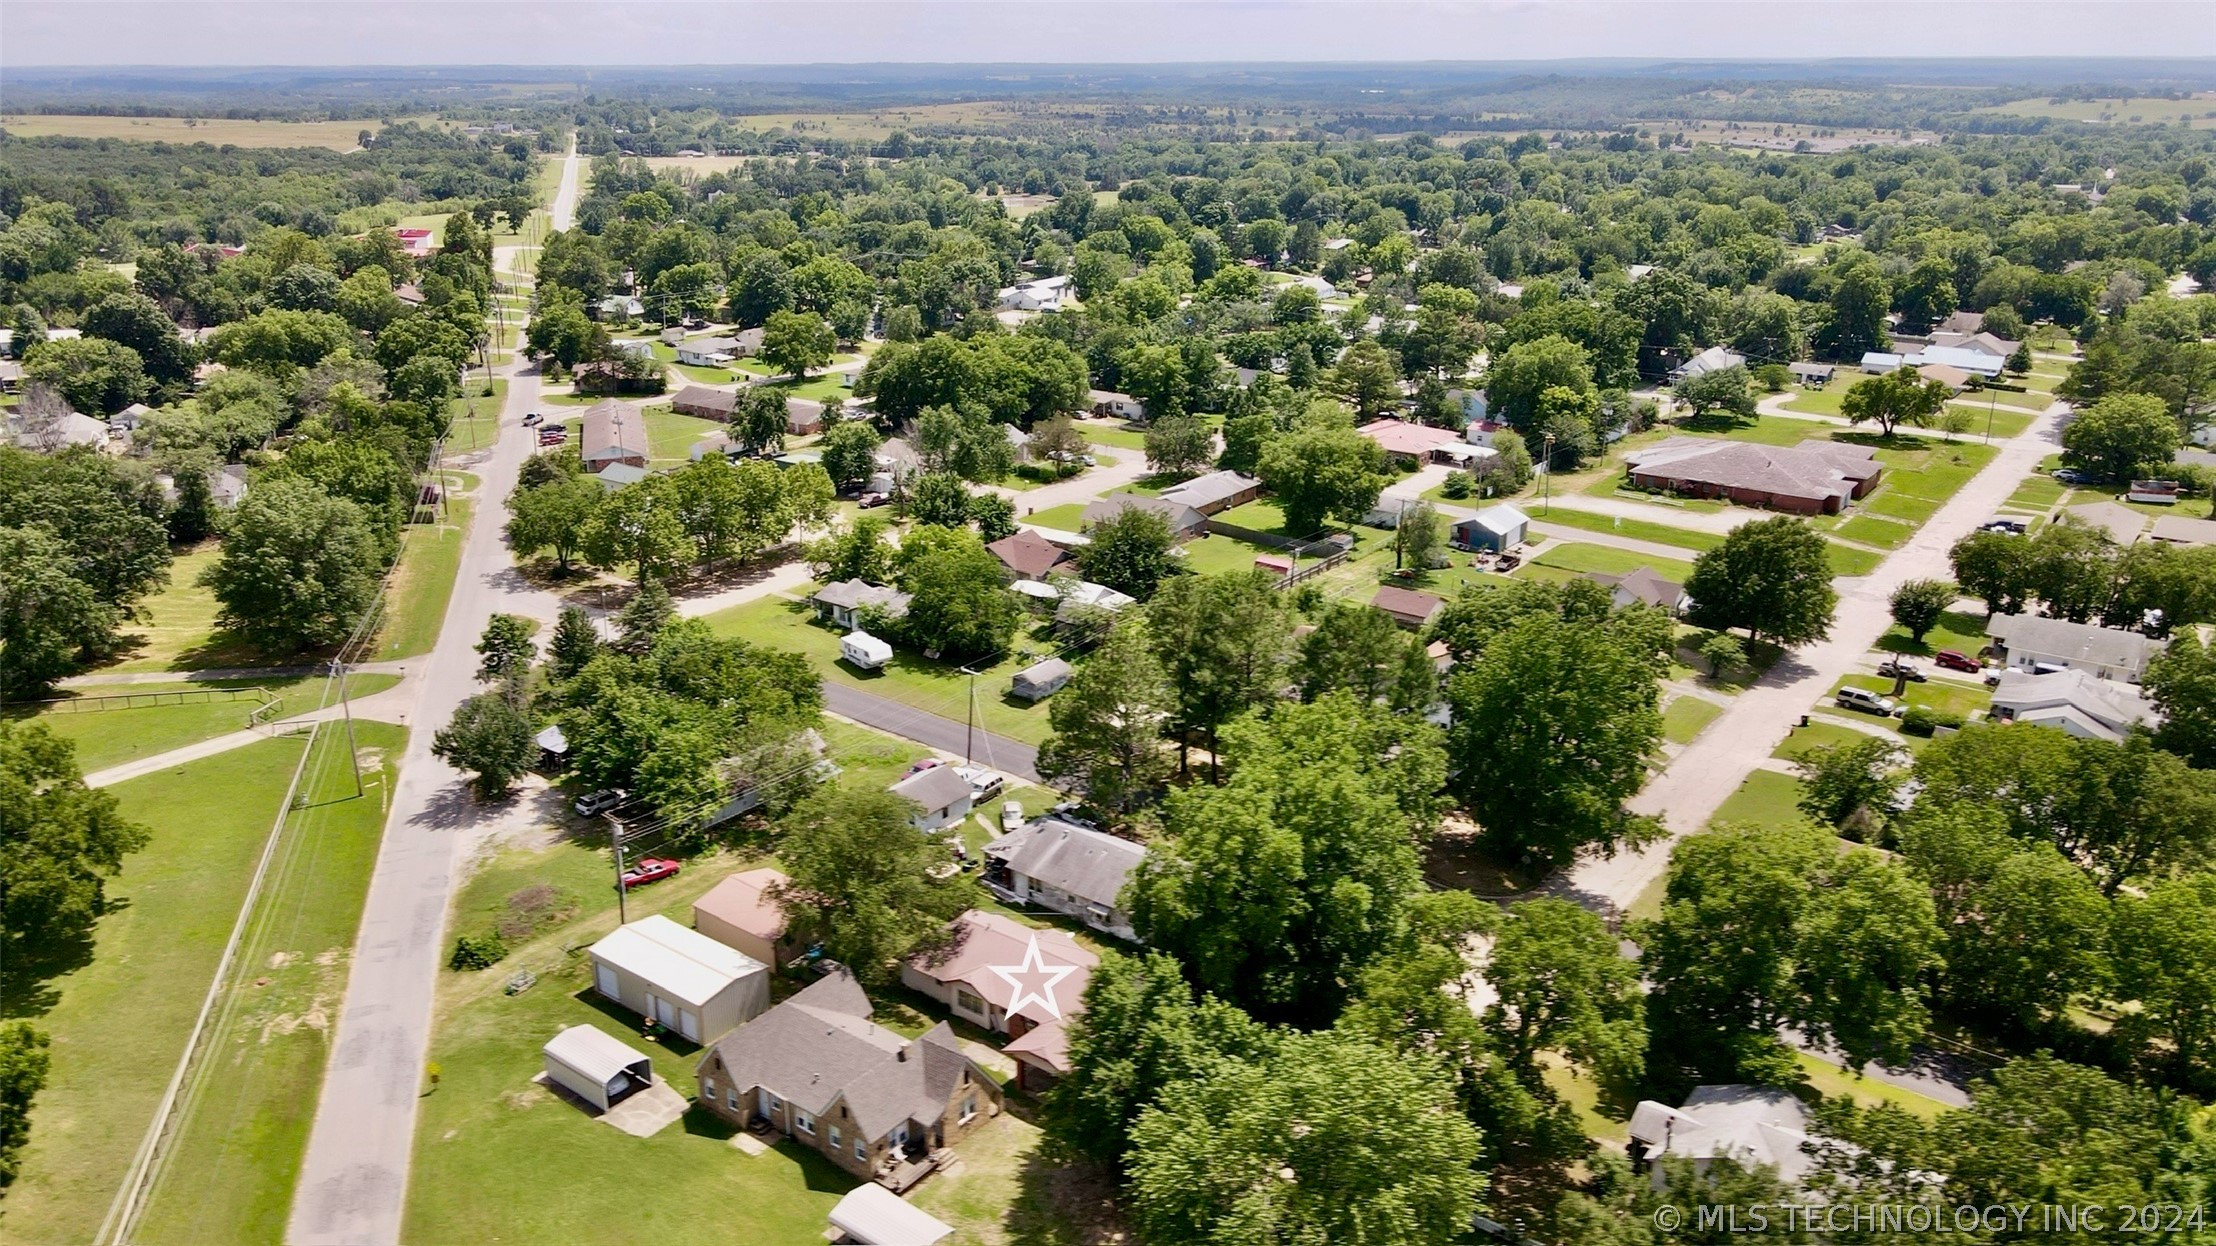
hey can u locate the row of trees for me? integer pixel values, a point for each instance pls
(711, 512)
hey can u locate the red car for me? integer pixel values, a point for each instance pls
(926, 764)
(649, 870)
(1955, 661)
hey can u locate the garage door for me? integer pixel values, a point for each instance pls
(688, 1024)
(605, 979)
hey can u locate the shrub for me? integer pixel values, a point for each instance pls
(1458, 485)
(479, 951)
(1923, 720)
(1774, 376)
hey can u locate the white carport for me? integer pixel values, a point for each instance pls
(596, 1066)
(871, 1215)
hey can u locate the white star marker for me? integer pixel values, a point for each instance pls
(1032, 967)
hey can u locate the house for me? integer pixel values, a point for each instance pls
(1953, 378)
(1812, 375)
(1975, 362)
(1039, 680)
(127, 420)
(897, 458)
(2030, 642)
(635, 347)
(1753, 1126)
(1813, 477)
(2120, 522)
(2073, 702)
(1321, 288)
(621, 307)
(2178, 530)
(1108, 402)
(1041, 294)
(1095, 596)
(1409, 608)
(1184, 521)
(227, 485)
(865, 651)
(1643, 586)
(407, 292)
(1475, 407)
(841, 602)
(418, 243)
(11, 376)
(1071, 869)
(1964, 323)
(685, 981)
(743, 912)
(613, 434)
(596, 1066)
(1468, 456)
(1027, 555)
(616, 475)
(718, 442)
(1496, 529)
(48, 433)
(553, 745)
(871, 1215)
(1410, 443)
(818, 1070)
(1002, 975)
(708, 352)
(1982, 343)
(1714, 359)
(945, 796)
(703, 403)
(1215, 492)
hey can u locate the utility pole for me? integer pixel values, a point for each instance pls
(969, 730)
(623, 895)
(346, 708)
(1546, 476)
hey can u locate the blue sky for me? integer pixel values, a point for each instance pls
(739, 32)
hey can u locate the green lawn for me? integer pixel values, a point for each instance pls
(415, 602)
(1818, 733)
(1961, 631)
(1928, 469)
(156, 720)
(1946, 695)
(911, 678)
(2000, 422)
(176, 629)
(1819, 401)
(1831, 1081)
(120, 1017)
(1883, 533)
(1686, 717)
(1068, 517)
(1212, 555)
(1847, 560)
(467, 432)
(1637, 529)
(1608, 560)
(2037, 493)
(1120, 438)
(1893, 504)
(1769, 430)
(243, 1124)
(1767, 798)
(2030, 400)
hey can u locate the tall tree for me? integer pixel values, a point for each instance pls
(1360, 650)
(1898, 397)
(64, 841)
(553, 516)
(865, 876)
(2181, 680)
(1918, 604)
(2166, 963)
(1225, 641)
(1367, 378)
(1108, 726)
(794, 342)
(24, 1061)
(506, 650)
(1771, 577)
(2121, 436)
(1565, 986)
(49, 617)
(490, 737)
(1132, 552)
(575, 642)
(298, 567)
(1322, 472)
(1179, 445)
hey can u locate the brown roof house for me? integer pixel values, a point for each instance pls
(1643, 586)
(1411, 443)
(1409, 608)
(742, 912)
(817, 1069)
(1002, 975)
(1814, 477)
(1184, 521)
(702, 402)
(613, 433)
(1027, 555)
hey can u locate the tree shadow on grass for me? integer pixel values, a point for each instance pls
(29, 985)
(1064, 1202)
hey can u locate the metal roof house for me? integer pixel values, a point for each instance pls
(1215, 492)
(742, 912)
(613, 434)
(1184, 520)
(596, 1066)
(960, 975)
(1069, 868)
(686, 981)
(1040, 680)
(1714, 359)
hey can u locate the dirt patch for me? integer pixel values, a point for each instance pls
(525, 1100)
(1456, 859)
(278, 960)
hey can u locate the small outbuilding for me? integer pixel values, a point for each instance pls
(871, 1215)
(864, 650)
(743, 912)
(685, 981)
(1496, 529)
(596, 1066)
(1040, 680)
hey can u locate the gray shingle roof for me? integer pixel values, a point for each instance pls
(2040, 636)
(1202, 492)
(1091, 865)
(1812, 469)
(934, 789)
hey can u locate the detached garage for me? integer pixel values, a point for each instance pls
(685, 981)
(596, 1066)
(871, 1215)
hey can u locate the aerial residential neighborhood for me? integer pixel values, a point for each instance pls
(799, 624)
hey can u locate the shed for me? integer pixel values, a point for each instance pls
(1040, 679)
(742, 912)
(864, 650)
(945, 795)
(1813, 375)
(1408, 607)
(682, 979)
(552, 743)
(596, 1066)
(1496, 528)
(871, 1215)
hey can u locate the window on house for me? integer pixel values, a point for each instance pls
(770, 1104)
(834, 1136)
(968, 1000)
(708, 1087)
(731, 1098)
(804, 1122)
(861, 1150)
(969, 1107)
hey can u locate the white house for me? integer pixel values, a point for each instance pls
(1040, 294)
(1121, 406)
(622, 306)
(1069, 868)
(1753, 1126)
(2040, 645)
(686, 981)
(2072, 702)
(1714, 359)
(946, 796)
(708, 352)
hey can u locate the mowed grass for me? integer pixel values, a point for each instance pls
(1068, 517)
(1868, 530)
(155, 718)
(243, 1125)
(1767, 798)
(1819, 733)
(217, 131)
(1960, 630)
(910, 678)
(423, 584)
(1636, 529)
(1686, 717)
(1608, 560)
(120, 1018)
(1832, 1082)
(176, 627)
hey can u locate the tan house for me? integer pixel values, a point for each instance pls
(967, 974)
(613, 433)
(818, 1070)
(742, 912)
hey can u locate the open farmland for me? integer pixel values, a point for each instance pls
(218, 131)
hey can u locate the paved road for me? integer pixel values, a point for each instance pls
(1010, 757)
(1687, 793)
(354, 1182)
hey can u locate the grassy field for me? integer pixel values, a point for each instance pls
(1768, 430)
(176, 630)
(1831, 1081)
(1069, 517)
(242, 1127)
(110, 737)
(1819, 733)
(1686, 717)
(219, 131)
(669, 436)
(415, 604)
(2199, 110)
(912, 679)
(1637, 529)
(1960, 630)
(120, 1013)
(1767, 798)
(1608, 560)
(1883, 533)
(1946, 695)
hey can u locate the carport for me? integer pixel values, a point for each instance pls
(596, 1066)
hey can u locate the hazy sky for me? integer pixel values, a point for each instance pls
(741, 32)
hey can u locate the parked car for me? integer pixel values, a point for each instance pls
(650, 870)
(1011, 815)
(1956, 660)
(2015, 527)
(593, 804)
(928, 763)
(532, 418)
(2072, 476)
(1867, 701)
(870, 501)
(1898, 669)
